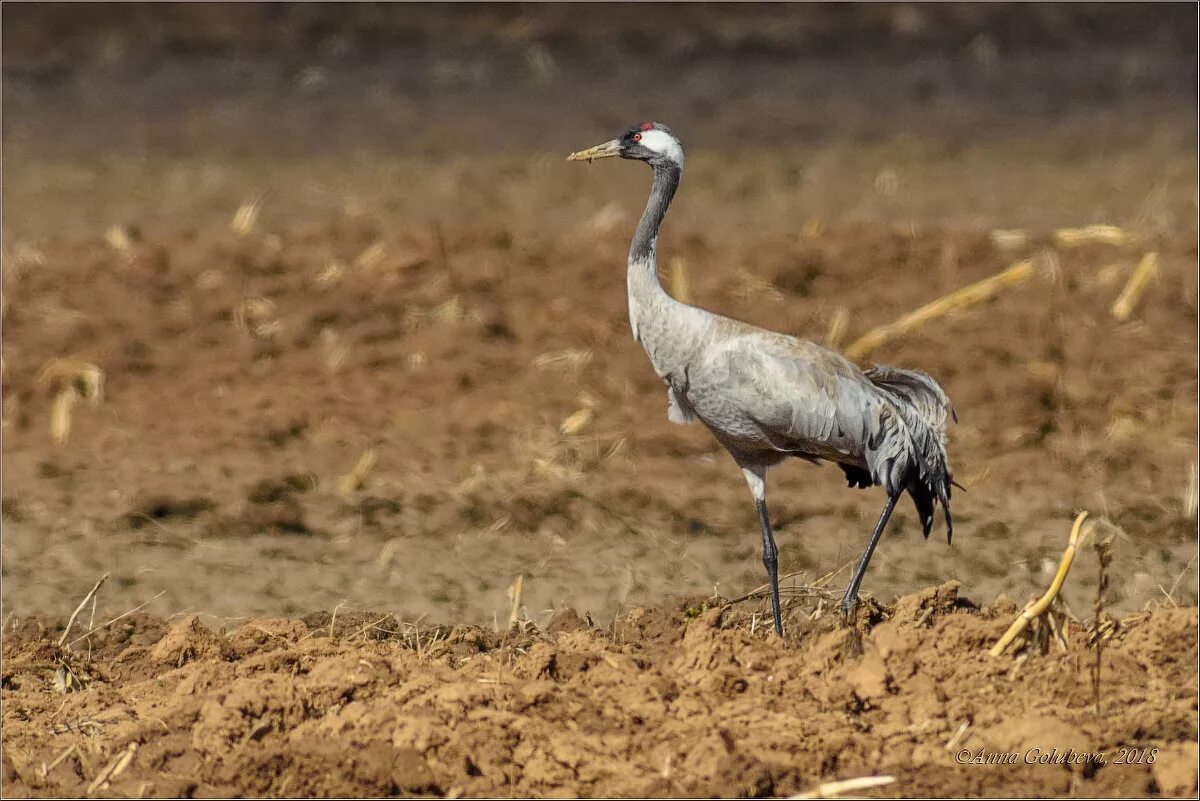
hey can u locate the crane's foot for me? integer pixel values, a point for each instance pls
(848, 607)
(852, 646)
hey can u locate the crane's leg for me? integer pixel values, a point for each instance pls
(851, 596)
(756, 477)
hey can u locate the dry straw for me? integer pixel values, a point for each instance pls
(1191, 493)
(119, 239)
(246, 216)
(961, 299)
(514, 595)
(114, 769)
(60, 414)
(372, 257)
(357, 478)
(1104, 234)
(1123, 307)
(749, 286)
(70, 380)
(568, 360)
(87, 378)
(256, 317)
(116, 619)
(837, 327)
(333, 350)
(840, 788)
(1009, 239)
(1036, 608)
(71, 621)
(58, 760)
(575, 422)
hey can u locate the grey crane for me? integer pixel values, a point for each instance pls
(766, 396)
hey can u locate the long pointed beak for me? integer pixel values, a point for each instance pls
(607, 150)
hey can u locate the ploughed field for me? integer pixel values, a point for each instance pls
(331, 376)
(687, 698)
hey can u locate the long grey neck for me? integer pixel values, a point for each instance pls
(667, 329)
(666, 181)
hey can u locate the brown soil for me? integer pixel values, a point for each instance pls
(429, 284)
(678, 700)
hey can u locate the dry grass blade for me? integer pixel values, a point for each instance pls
(1191, 493)
(514, 595)
(121, 616)
(373, 625)
(839, 788)
(71, 621)
(450, 311)
(58, 760)
(332, 272)
(564, 360)
(1147, 268)
(791, 591)
(749, 286)
(1106, 234)
(1009, 239)
(119, 239)
(85, 726)
(959, 734)
(357, 477)
(334, 352)
(575, 423)
(86, 378)
(371, 258)
(256, 316)
(837, 327)
(963, 298)
(1170, 594)
(60, 414)
(445, 263)
(113, 769)
(1036, 608)
(333, 620)
(246, 216)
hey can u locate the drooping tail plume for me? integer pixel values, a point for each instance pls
(924, 408)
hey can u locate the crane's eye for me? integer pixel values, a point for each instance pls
(637, 137)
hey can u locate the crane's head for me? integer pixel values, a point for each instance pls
(651, 142)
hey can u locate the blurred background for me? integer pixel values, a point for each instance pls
(303, 306)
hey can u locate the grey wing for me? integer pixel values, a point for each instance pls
(802, 398)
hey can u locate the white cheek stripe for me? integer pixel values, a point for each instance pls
(664, 143)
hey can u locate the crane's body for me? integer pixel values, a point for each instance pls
(767, 396)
